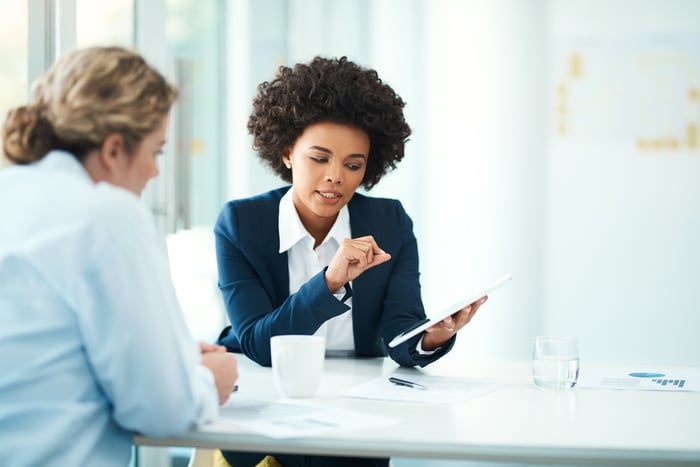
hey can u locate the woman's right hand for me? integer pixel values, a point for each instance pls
(355, 256)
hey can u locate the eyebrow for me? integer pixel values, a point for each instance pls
(328, 151)
(322, 149)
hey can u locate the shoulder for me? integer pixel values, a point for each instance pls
(268, 201)
(257, 214)
(120, 216)
(114, 222)
(383, 218)
(119, 205)
(372, 207)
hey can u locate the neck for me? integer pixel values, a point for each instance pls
(319, 229)
(94, 167)
(317, 226)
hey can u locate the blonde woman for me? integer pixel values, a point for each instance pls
(93, 345)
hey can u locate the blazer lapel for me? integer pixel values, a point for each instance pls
(363, 287)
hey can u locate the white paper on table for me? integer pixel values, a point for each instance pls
(644, 379)
(291, 419)
(441, 389)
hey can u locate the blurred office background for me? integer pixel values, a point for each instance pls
(554, 139)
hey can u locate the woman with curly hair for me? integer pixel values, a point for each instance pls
(317, 257)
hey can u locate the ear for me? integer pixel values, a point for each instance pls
(112, 151)
(286, 160)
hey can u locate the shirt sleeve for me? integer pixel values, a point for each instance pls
(135, 335)
(253, 316)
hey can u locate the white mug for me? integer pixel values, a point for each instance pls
(297, 363)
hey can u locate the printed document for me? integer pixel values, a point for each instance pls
(440, 389)
(290, 419)
(641, 378)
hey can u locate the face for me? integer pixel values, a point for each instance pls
(328, 162)
(135, 170)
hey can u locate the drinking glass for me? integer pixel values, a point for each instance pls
(555, 362)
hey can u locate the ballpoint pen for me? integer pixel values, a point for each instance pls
(406, 383)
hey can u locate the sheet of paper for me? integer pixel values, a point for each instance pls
(645, 379)
(290, 419)
(440, 389)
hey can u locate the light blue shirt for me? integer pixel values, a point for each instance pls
(93, 346)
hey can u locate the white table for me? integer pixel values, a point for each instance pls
(519, 423)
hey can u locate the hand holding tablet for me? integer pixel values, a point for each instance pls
(450, 310)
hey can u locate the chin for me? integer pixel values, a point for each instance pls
(325, 213)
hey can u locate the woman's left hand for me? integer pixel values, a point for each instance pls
(438, 334)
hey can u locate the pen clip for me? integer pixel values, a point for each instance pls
(406, 383)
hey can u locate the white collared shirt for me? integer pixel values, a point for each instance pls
(304, 262)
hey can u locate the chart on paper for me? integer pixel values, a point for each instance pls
(687, 379)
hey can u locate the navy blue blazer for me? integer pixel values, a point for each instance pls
(254, 281)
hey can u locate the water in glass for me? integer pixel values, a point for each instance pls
(555, 372)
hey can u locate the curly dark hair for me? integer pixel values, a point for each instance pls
(328, 90)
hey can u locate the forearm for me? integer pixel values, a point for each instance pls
(303, 312)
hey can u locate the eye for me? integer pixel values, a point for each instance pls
(319, 159)
(353, 167)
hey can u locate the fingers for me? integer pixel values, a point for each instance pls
(362, 251)
(224, 368)
(448, 323)
(465, 315)
(379, 259)
(474, 307)
(354, 256)
(457, 321)
(205, 347)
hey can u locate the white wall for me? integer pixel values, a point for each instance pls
(599, 237)
(483, 179)
(622, 259)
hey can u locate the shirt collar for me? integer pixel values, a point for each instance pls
(291, 230)
(62, 161)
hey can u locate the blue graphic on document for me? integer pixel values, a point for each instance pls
(657, 378)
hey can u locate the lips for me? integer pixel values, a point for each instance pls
(329, 194)
(329, 198)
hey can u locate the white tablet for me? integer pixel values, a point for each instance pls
(421, 326)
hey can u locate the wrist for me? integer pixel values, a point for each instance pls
(430, 342)
(332, 285)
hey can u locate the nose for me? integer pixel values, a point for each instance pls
(334, 173)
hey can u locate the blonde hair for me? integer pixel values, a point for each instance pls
(84, 97)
